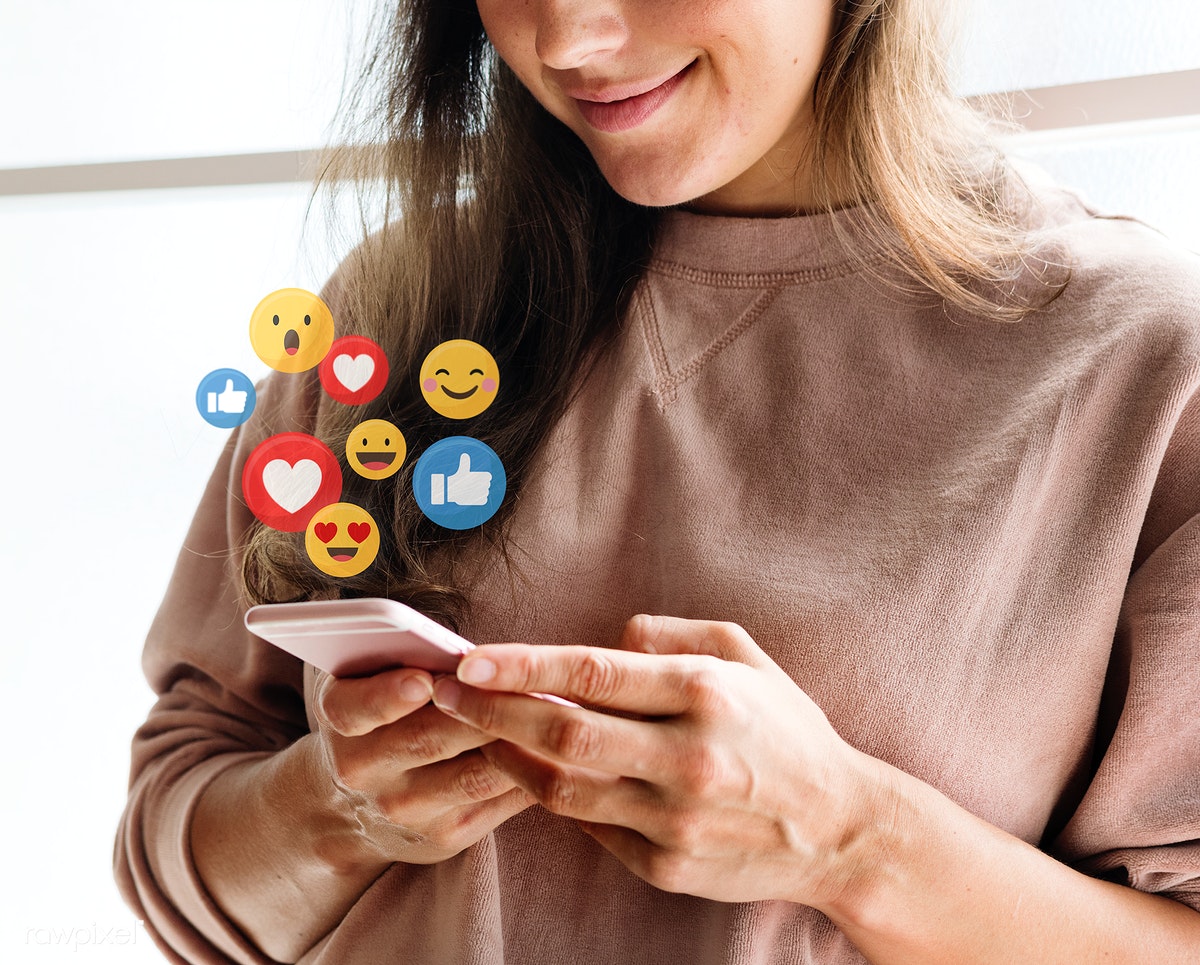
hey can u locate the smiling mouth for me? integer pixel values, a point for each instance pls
(291, 342)
(342, 554)
(376, 460)
(461, 395)
(614, 116)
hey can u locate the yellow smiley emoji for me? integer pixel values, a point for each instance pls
(342, 539)
(459, 379)
(375, 449)
(291, 330)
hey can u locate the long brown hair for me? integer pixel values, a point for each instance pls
(487, 219)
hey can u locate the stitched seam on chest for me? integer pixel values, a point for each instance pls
(667, 383)
(644, 307)
(764, 279)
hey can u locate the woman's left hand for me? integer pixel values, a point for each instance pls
(729, 783)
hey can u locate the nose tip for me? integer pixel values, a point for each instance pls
(569, 39)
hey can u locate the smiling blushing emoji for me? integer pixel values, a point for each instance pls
(459, 379)
(342, 539)
(375, 449)
(291, 330)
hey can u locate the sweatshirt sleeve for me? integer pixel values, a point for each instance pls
(1138, 822)
(223, 696)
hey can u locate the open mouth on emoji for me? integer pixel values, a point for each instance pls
(291, 342)
(461, 395)
(342, 554)
(376, 460)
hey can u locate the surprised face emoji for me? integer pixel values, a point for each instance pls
(291, 330)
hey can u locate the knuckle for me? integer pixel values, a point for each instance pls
(704, 685)
(700, 773)
(351, 708)
(444, 837)
(575, 739)
(397, 808)
(595, 677)
(485, 715)
(479, 781)
(557, 791)
(423, 741)
(349, 772)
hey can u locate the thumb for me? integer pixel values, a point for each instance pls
(663, 635)
(464, 463)
(228, 386)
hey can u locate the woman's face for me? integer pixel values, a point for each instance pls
(706, 102)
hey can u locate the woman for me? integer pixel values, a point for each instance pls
(905, 449)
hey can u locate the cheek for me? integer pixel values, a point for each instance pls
(510, 34)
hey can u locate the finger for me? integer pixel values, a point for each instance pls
(352, 706)
(570, 735)
(615, 679)
(661, 867)
(431, 827)
(671, 635)
(477, 820)
(459, 828)
(470, 778)
(577, 792)
(386, 756)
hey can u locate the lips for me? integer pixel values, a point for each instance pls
(291, 342)
(461, 395)
(612, 114)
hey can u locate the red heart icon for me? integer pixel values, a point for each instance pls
(358, 531)
(327, 531)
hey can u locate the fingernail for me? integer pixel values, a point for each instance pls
(446, 694)
(416, 689)
(478, 670)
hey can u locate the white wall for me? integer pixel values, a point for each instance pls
(113, 306)
(1012, 44)
(118, 79)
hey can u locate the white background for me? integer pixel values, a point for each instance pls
(113, 306)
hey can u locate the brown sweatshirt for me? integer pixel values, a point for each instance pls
(974, 544)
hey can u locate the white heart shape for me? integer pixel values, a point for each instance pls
(291, 486)
(354, 371)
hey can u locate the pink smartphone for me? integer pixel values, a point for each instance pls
(351, 638)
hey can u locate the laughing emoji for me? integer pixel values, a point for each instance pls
(375, 449)
(459, 379)
(291, 330)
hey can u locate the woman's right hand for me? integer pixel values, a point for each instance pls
(413, 780)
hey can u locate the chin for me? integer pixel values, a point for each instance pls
(661, 191)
